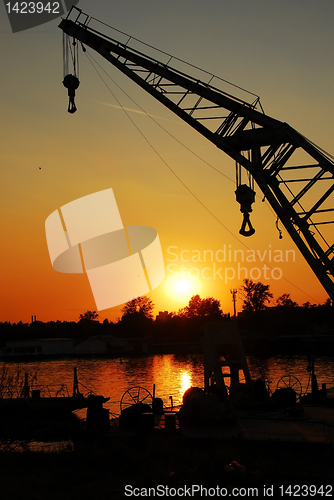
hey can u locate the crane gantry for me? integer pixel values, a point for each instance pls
(295, 176)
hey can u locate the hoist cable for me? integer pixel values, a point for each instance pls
(65, 55)
(70, 53)
(90, 58)
(175, 138)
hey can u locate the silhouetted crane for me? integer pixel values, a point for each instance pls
(295, 176)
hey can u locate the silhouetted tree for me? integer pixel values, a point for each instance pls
(255, 295)
(308, 305)
(285, 301)
(89, 315)
(202, 308)
(137, 317)
(142, 305)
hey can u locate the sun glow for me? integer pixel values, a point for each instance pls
(182, 286)
(182, 289)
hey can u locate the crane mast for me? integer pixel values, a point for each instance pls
(295, 176)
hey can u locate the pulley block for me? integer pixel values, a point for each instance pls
(71, 82)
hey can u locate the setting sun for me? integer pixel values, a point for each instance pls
(182, 289)
(182, 286)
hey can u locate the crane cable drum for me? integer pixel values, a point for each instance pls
(245, 195)
(71, 76)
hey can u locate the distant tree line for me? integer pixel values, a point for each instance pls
(186, 325)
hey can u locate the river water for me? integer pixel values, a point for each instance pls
(171, 374)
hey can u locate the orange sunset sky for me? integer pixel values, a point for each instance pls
(282, 51)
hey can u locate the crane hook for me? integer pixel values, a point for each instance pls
(246, 197)
(246, 220)
(71, 82)
(278, 229)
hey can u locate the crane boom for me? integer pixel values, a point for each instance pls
(270, 150)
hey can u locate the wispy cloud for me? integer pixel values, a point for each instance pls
(138, 111)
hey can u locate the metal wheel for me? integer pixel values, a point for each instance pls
(292, 382)
(134, 396)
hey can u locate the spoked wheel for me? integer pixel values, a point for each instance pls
(291, 382)
(134, 396)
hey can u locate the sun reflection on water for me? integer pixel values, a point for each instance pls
(186, 382)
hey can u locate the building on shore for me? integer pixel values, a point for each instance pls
(37, 347)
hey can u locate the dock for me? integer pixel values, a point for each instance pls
(308, 424)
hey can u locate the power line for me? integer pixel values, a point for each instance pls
(90, 58)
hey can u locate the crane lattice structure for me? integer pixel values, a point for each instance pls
(295, 176)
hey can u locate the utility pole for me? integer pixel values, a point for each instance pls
(234, 300)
